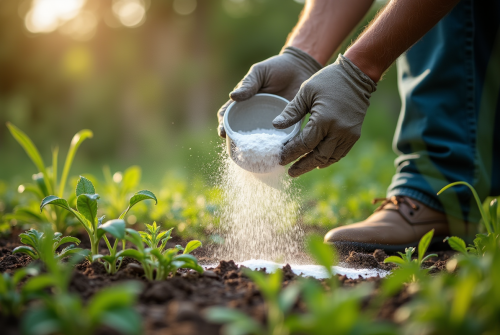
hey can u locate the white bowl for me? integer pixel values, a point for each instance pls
(257, 112)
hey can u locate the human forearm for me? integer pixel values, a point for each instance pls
(398, 26)
(324, 25)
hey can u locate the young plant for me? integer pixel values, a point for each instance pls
(46, 180)
(34, 239)
(482, 242)
(156, 262)
(66, 314)
(154, 238)
(408, 267)
(13, 299)
(86, 214)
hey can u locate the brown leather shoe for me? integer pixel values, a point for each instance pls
(397, 224)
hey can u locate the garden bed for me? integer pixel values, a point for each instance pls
(177, 305)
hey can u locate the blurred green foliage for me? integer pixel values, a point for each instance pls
(150, 93)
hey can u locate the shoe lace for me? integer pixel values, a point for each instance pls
(396, 200)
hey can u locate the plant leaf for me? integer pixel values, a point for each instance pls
(26, 250)
(394, 259)
(457, 244)
(487, 223)
(28, 147)
(118, 296)
(424, 243)
(56, 201)
(40, 181)
(115, 227)
(192, 245)
(84, 186)
(79, 137)
(322, 253)
(131, 178)
(68, 239)
(494, 215)
(125, 320)
(138, 197)
(87, 206)
(132, 253)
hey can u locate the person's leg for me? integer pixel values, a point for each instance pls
(445, 131)
(449, 83)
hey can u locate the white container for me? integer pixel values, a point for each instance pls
(257, 112)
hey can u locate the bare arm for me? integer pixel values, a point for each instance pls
(324, 24)
(398, 26)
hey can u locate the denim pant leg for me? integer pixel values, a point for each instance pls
(449, 84)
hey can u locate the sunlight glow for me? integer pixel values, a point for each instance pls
(184, 7)
(46, 15)
(131, 13)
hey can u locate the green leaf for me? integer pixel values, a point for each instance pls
(224, 315)
(56, 201)
(115, 227)
(192, 245)
(125, 320)
(41, 321)
(26, 250)
(457, 244)
(28, 147)
(493, 215)
(289, 296)
(79, 137)
(68, 239)
(134, 237)
(476, 197)
(84, 186)
(39, 282)
(131, 178)
(42, 184)
(322, 253)
(424, 243)
(132, 253)
(55, 154)
(138, 197)
(394, 259)
(119, 296)
(87, 206)
(429, 256)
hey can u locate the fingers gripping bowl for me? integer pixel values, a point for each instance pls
(254, 117)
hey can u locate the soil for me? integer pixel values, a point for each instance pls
(177, 305)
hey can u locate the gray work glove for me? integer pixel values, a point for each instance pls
(281, 75)
(337, 98)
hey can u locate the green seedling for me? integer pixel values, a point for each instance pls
(482, 242)
(13, 299)
(86, 214)
(411, 266)
(154, 238)
(156, 262)
(34, 239)
(66, 314)
(279, 303)
(46, 181)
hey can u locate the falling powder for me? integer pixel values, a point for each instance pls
(258, 218)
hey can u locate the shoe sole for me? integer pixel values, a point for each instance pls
(346, 246)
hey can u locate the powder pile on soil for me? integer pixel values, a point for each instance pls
(259, 211)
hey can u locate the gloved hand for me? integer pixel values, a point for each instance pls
(281, 75)
(337, 98)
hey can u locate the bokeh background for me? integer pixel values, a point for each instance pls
(147, 77)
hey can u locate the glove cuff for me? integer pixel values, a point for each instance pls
(354, 71)
(306, 60)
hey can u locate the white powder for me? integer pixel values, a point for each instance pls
(258, 150)
(258, 216)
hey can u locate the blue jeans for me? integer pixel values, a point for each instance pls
(449, 127)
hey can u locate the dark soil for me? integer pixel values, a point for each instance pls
(177, 305)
